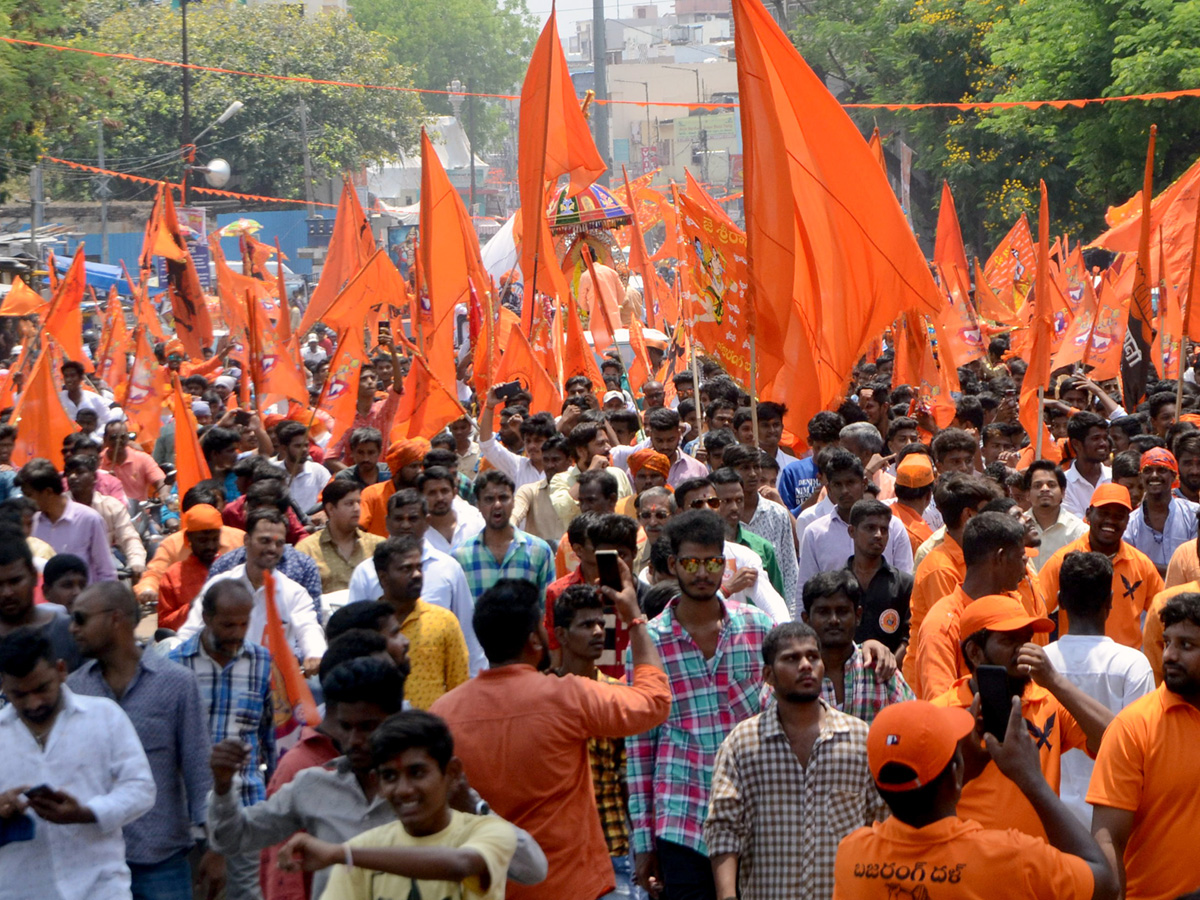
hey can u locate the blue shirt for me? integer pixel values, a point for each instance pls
(163, 702)
(237, 699)
(797, 482)
(296, 566)
(528, 558)
(1179, 528)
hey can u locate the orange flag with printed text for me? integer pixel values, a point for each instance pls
(350, 246)
(1041, 328)
(274, 370)
(22, 300)
(190, 465)
(339, 396)
(957, 324)
(42, 423)
(144, 391)
(833, 260)
(553, 140)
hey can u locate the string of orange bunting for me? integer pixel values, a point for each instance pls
(300, 79)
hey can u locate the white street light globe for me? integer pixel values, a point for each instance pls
(218, 173)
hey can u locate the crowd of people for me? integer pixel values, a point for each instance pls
(636, 646)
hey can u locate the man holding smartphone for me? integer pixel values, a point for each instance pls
(998, 632)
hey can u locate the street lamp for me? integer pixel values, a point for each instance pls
(217, 170)
(455, 90)
(645, 138)
(696, 72)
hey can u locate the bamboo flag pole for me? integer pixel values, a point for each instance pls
(754, 386)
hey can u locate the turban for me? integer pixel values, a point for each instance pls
(649, 459)
(1159, 456)
(174, 347)
(405, 453)
(202, 517)
(273, 419)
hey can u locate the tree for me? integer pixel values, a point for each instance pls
(486, 44)
(347, 127)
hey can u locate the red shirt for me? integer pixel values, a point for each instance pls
(234, 515)
(616, 638)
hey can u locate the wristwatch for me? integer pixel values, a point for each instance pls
(482, 808)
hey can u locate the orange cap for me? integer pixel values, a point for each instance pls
(998, 612)
(202, 517)
(914, 471)
(918, 735)
(1112, 493)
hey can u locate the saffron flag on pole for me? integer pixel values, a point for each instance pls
(42, 423)
(1041, 327)
(427, 406)
(577, 355)
(293, 695)
(190, 465)
(518, 364)
(64, 318)
(957, 323)
(374, 286)
(639, 259)
(1136, 357)
(339, 397)
(22, 300)
(1191, 318)
(1013, 259)
(164, 238)
(832, 258)
(144, 390)
(875, 142)
(350, 246)
(553, 140)
(112, 365)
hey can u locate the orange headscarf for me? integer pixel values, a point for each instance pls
(649, 459)
(405, 453)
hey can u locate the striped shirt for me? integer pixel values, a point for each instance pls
(237, 699)
(527, 557)
(785, 819)
(863, 697)
(669, 768)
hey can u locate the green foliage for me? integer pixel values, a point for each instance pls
(913, 51)
(486, 44)
(347, 127)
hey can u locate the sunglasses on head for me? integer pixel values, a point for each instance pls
(692, 564)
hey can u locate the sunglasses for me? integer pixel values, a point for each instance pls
(658, 515)
(692, 564)
(711, 503)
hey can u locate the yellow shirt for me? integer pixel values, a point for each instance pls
(490, 836)
(437, 652)
(335, 571)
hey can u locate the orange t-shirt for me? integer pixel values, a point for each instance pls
(1152, 634)
(916, 526)
(1184, 565)
(174, 547)
(940, 572)
(178, 588)
(991, 799)
(954, 858)
(1033, 598)
(372, 514)
(937, 650)
(1135, 582)
(1148, 765)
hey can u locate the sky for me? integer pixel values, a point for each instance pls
(571, 11)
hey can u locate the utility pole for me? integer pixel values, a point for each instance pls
(187, 103)
(103, 191)
(308, 185)
(36, 203)
(471, 142)
(600, 54)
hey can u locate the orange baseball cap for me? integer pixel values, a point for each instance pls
(1112, 493)
(202, 517)
(918, 735)
(997, 612)
(914, 471)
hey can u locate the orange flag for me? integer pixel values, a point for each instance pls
(350, 246)
(1191, 308)
(64, 318)
(339, 396)
(599, 323)
(42, 423)
(553, 140)
(1103, 353)
(283, 658)
(639, 369)
(374, 286)
(957, 325)
(428, 405)
(1041, 326)
(1135, 360)
(833, 260)
(450, 263)
(112, 367)
(639, 260)
(190, 465)
(876, 144)
(577, 357)
(284, 327)
(22, 300)
(518, 364)
(988, 303)
(164, 238)
(143, 394)
(1013, 259)
(275, 373)
(1168, 339)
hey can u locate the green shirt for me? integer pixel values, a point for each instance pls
(766, 552)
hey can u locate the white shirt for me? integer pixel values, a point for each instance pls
(90, 400)
(300, 625)
(826, 544)
(518, 468)
(306, 485)
(761, 594)
(315, 354)
(1066, 528)
(1108, 672)
(469, 523)
(92, 753)
(1078, 495)
(443, 584)
(822, 507)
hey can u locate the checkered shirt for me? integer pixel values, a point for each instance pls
(669, 768)
(237, 699)
(785, 820)
(864, 696)
(608, 777)
(528, 558)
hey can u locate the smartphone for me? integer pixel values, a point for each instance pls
(508, 390)
(42, 790)
(385, 331)
(610, 570)
(241, 418)
(995, 699)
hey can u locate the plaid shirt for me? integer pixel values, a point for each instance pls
(237, 699)
(528, 557)
(669, 768)
(864, 697)
(783, 819)
(608, 778)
